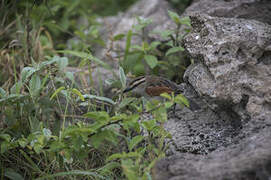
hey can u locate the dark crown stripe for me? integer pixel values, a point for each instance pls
(135, 83)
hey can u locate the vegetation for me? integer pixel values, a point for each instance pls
(51, 128)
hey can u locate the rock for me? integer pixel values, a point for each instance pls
(249, 159)
(248, 9)
(230, 137)
(231, 68)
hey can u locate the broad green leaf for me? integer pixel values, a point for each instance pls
(70, 76)
(149, 125)
(129, 169)
(57, 91)
(5, 137)
(12, 174)
(35, 85)
(174, 50)
(78, 93)
(16, 88)
(151, 60)
(186, 21)
(135, 141)
(27, 72)
(62, 63)
(166, 95)
(181, 99)
(174, 17)
(122, 77)
(84, 55)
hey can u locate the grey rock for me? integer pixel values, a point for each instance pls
(248, 9)
(231, 53)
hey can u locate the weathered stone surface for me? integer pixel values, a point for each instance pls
(231, 68)
(259, 10)
(249, 159)
(230, 137)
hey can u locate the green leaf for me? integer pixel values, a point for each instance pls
(181, 99)
(70, 76)
(166, 95)
(5, 137)
(126, 101)
(98, 115)
(57, 91)
(27, 72)
(78, 93)
(16, 88)
(118, 37)
(129, 169)
(135, 141)
(84, 55)
(122, 77)
(155, 44)
(12, 174)
(149, 125)
(151, 60)
(100, 98)
(186, 21)
(35, 85)
(62, 63)
(3, 93)
(174, 50)
(174, 17)
(128, 43)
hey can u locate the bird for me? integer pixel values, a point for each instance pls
(151, 86)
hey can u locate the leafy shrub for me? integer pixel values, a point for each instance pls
(42, 134)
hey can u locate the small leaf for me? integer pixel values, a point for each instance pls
(186, 20)
(122, 77)
(118, 37)
(149, 125)
(174, 17)
(75, 91)
(151, 60)
(57, 91)
(135, 141)
(174, 50)
(181, 99)
(166, 95)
